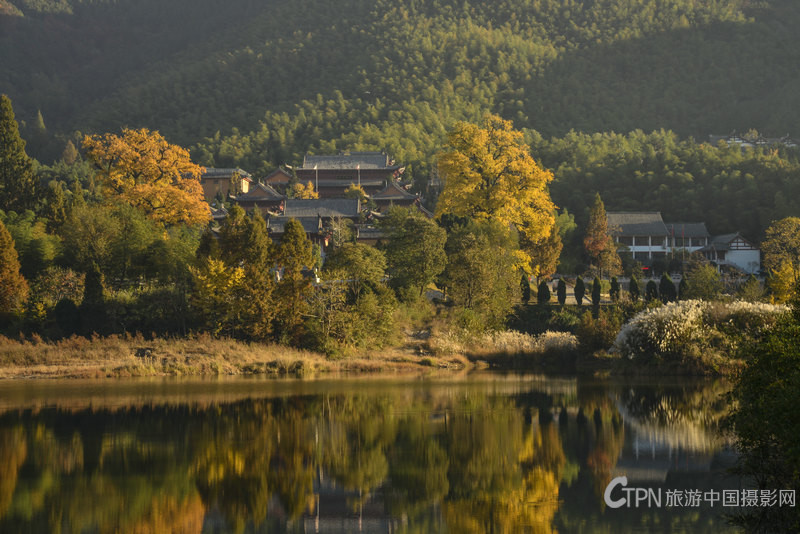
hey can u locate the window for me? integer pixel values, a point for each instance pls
(625, 240)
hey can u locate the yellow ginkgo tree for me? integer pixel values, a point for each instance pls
(217, 292)
(141, 168)
(489, 173)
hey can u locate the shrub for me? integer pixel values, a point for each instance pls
(600, 333)
(666, 289)
(633, 289)
(561, 291)
(526, 289)
(596, 292)
(765, 420)
(665, 332)
(683, 287)
(543, 295)
(651, 291)
(566, 320)
(690, 328)
(613, 292)
(580, 290)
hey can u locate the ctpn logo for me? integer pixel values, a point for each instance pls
(631, 497)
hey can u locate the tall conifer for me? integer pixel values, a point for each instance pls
(258, 309)
(596, 292)
(580, 290)
(17, 180)
(561, 291)
(293, 255)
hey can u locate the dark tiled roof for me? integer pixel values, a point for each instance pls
(723, 242)
(277, 224)
(369, 232)
(687, 229)
(392, 191)
(212, 172)
(219, 214)
(366, 160)
(636, 223)
(326, 207)
(346, 183)
(260, 192)
(279, 171)
(426, 212)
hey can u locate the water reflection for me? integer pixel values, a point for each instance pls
(498, 454)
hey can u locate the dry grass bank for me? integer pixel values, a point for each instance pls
(128, 356)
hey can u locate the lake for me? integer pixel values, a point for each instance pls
(473, 453)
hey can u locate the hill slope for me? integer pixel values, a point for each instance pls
(395, 74)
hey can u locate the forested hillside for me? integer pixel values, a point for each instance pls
(397, 73)
(257, 83)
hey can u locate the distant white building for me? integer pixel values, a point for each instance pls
(735, 251)
(648, 238)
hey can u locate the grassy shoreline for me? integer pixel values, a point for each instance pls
(136, 356)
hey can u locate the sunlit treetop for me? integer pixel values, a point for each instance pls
(489, 174)
(140, 167)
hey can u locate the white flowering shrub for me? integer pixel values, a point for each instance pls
(509, 341)
(666, 331)
(555, 342)
(742, 316)
(688, 328)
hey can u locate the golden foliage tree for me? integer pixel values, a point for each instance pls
(546, 253)
(781, 249)
(216, 290)
(13, 286)
(303, 191)
(355, 191)
(490, 174)
(146, 171)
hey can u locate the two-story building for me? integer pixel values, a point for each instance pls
(331, 175)
(643, 233)
(648, 238)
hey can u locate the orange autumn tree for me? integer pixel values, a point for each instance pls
(146, 171)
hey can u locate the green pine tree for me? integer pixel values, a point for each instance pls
(596, 292)
(561, 291)
(633, 289)
(580, 290)
(525, 285)
(543, 296)
(258, 307)
(651, 291)
(666, 289)
(18, 184)
(613, 292)
(294, 254)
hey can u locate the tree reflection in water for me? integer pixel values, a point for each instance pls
(474, 459)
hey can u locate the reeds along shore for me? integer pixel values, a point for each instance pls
(135, 355)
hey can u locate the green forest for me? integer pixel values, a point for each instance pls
(259, 83)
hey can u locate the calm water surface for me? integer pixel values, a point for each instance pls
(483, 453)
